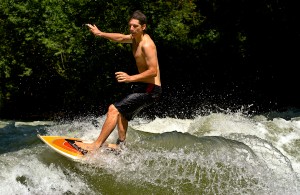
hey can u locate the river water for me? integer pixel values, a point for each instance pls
(217, 153)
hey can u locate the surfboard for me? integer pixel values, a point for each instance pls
(64, 146)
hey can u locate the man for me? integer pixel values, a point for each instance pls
(148, 78)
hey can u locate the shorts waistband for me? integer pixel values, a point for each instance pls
(146, 88)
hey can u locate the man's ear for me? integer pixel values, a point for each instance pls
(144, 26)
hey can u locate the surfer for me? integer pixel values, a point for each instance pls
(148, 88)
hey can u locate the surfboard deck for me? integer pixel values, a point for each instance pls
(63, 146)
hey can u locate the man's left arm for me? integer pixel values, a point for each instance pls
(151, 60)
(149, 51)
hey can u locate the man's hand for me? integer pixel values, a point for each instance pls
(94, 29)
(122, 77)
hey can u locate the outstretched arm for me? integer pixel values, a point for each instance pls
(117, 37)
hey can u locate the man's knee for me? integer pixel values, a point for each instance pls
(113, 110)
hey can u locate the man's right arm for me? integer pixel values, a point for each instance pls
(117, 37)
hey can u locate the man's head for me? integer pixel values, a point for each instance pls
(137, 23)
(138, 15)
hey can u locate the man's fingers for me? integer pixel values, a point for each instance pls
(121, 76)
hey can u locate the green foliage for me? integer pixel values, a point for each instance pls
(48, 54)
(176, 22)
(50, 61)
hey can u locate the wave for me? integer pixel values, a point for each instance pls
(217, 153)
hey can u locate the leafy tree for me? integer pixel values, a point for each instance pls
(49, 61)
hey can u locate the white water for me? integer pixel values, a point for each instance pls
(274, 139)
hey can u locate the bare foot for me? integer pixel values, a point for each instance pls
(87, 146)
(113, 146)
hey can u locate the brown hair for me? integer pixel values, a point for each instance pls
(138, 15)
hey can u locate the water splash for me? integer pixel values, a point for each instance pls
(216, 153)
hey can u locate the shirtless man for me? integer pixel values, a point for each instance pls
(148, 89)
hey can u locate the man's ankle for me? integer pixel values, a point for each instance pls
(118, 142)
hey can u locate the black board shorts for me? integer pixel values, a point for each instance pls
(144, 94)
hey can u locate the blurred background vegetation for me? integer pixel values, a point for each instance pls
(227, 54)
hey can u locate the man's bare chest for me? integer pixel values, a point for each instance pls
(138, 54)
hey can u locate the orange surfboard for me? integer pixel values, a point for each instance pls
(64, 146)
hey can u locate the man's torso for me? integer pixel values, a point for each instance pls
(140, 58)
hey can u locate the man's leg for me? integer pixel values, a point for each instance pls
(108, 126)
(122, 127)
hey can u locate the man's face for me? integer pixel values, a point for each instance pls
(135, 27)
